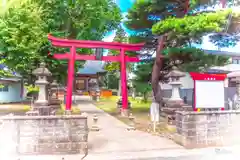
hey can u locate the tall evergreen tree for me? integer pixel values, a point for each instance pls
(172, 28)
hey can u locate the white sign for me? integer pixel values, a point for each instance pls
(209, 94)
(154, 112)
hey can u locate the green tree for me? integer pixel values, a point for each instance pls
(112, 81)
(25, 27)
(21, 33)
(122, 38)
(175, 35)
(141, 81)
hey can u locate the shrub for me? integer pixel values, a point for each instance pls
(32, 91)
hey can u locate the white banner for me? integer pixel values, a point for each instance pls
(154, 112)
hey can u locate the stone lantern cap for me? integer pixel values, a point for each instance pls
(175, 73)
(54, 83)
(233, 74)
(42, 71)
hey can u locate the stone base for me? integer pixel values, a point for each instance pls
(207, 128)
(68, 112)
(174, 103)
(131, 128)
(191, 144)
(169, 113)
(125, 112)
(32, 113)
(38, 135)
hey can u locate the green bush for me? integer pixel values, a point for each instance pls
(32, 91)
(32, 88)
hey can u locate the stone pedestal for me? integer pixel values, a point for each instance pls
(124, 112)
(42, 102)
(53, 98)
(175, 92)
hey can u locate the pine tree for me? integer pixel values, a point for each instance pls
(172, 27)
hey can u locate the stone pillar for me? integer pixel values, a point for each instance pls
(175, 91)
(86, 81)
(42, 102)
(54, 101)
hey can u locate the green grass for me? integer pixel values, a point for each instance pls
(26, 108)
(16, 108)
(110, 105)
(140, 111)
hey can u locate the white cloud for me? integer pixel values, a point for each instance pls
(110, 37)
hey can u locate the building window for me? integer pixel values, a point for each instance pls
(4, 88)
(236, 61)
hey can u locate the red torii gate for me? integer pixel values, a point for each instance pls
(73, 56)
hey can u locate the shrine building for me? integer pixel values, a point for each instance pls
(87, 78)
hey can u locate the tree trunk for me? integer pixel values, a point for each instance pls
(156, 71)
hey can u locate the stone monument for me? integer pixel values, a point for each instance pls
(235, 76)
(42, 102)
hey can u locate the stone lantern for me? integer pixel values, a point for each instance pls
(42, 102)
(175, 103)
(54, 101)
(174, 77)
(235, 76)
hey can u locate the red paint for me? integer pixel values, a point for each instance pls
(94, 44)
(223, 2)
(194, 95)
(90, 57)
(70, 77)
(187, 7)
(124, 80)
(73, 56)
(208, 77)
(205, 77)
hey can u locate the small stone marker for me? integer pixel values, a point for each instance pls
(132, 123)
(95, 126)
(84, 114)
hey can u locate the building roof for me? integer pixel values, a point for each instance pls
(91, 68)
(226, 68)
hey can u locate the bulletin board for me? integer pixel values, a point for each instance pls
(208, 90)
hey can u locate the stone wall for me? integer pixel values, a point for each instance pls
(44, 134)
(207, 128)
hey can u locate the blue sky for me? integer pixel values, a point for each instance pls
(126, 4)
